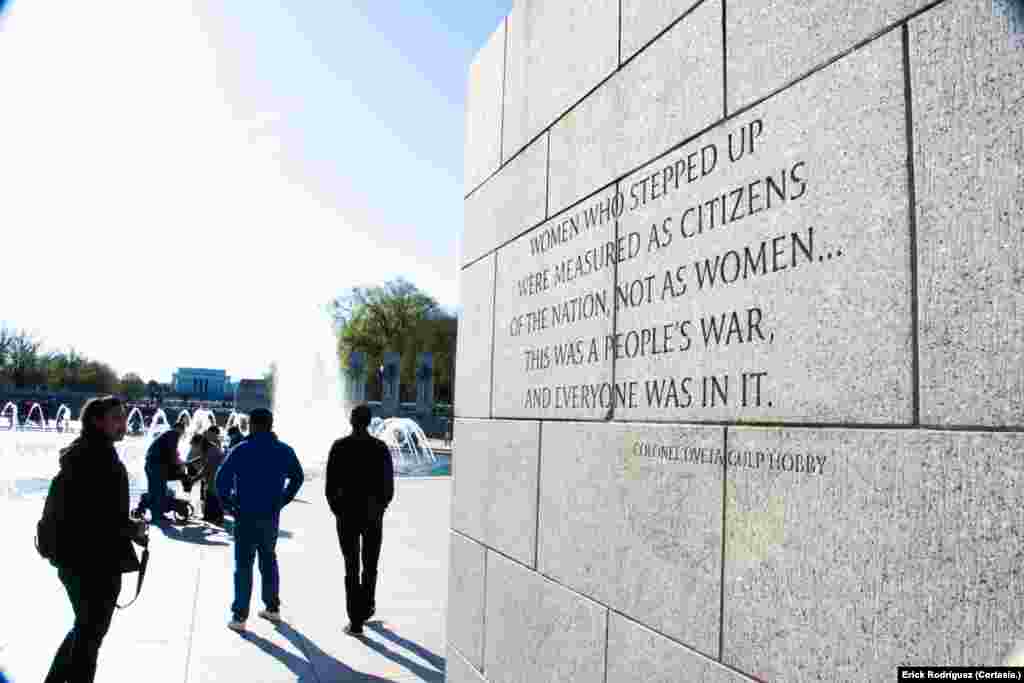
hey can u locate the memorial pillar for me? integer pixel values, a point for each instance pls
(391, 378)
(424, 383)
(355, 377)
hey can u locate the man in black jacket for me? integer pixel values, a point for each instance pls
(360, 486)
(161, 463)
(94, 535)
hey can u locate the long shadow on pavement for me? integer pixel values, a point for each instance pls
(422, 672)
(229, 527)
(308, 670)
(435, 660)
(302, 669)
(200, 535)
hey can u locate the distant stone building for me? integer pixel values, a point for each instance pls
(202, 383)
(251, 394)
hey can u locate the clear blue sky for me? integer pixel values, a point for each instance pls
(195, 170)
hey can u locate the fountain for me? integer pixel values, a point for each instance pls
(10, 413)
(237, 419)
(39, 424)
(159, 424)
(310, 410)
(201, 420)
(62, 423)
(136, 422)
(408, 444)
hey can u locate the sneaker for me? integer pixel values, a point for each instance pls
(237, 624)
(354, 630)
(271, 615)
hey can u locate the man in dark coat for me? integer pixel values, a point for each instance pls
(161, 461)
(360, 486)
(94, 535)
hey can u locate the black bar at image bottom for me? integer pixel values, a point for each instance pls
(960, 673)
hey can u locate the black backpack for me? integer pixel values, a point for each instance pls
(47, 528)
(48, 532)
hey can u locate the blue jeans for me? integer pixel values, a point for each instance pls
(157, 488)
(256, 538)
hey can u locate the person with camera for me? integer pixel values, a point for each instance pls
(93, 535)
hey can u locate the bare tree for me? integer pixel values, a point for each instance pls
(25, 365)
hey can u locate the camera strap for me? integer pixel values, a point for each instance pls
(142, 575)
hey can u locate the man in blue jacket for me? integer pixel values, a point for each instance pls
(251, 483)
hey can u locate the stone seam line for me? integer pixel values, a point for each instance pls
(536, 509)
(721, 585)
(915, 354)
(881, 426)
(725, 65)
(494, 318)
(501, 124)
(195, 610)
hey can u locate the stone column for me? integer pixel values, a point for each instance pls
(355, 377)
(392, 377)
(424, 383)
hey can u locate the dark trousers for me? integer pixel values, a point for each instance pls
(93, 598)
(256, 538)
(213, 511)
(157, 488)
(360, 538)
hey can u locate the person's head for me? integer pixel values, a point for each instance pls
(196, 440)
(261, 420)
(180, 426)
(234, 432)
(103, 417)
(361, 418)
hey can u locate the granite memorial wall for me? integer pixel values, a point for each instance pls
(740, 372)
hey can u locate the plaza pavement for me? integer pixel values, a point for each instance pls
(177, 633)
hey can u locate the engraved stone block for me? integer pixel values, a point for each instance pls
(968, 87)
(557, 52)
(671, 91)
(642, 20)
(850, 552)
(631, 515)
(473, 346)
(538, 630)
(640, 655)
(494, 497)
(773, 279)
(483, 110)
(770, 43)
(458, 670)
(508, 204)
(466, 598)
(553, 312)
